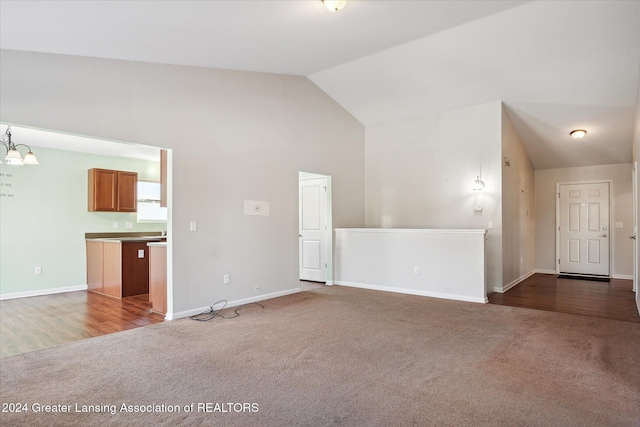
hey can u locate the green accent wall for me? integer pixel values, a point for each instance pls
(44, 217)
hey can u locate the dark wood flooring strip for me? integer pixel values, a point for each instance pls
(28, 324)
(610, 300)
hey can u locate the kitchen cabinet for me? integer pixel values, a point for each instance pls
(118, 269)
(158, 277)
(112, 190)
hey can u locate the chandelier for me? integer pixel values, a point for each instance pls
(13, 155)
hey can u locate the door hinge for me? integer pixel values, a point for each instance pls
(558, 260)
(325, 188)
(325, 265)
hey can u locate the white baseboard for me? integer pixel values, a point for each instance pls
(542, 271)
(412, 292)
(40, 292)
(193, 312)
(623, 276)
(508, 286)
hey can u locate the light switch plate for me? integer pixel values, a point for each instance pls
(140, 253)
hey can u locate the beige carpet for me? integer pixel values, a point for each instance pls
(341, 356)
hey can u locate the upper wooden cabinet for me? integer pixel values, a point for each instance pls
(112, 191)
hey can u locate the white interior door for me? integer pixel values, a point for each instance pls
(584, 230)
(313, 230)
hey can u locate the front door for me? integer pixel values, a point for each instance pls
(584, 230)
(313, 230)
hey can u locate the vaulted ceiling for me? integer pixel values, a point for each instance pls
(557, 66)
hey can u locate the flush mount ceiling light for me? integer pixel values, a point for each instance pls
(14, 157)
(334, 5)
(578, 133)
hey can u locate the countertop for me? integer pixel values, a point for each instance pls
(158, 244)
(126, 237)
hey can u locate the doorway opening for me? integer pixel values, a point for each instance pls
(315, 228)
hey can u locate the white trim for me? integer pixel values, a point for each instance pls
(503, 289)
(543, 271)
(412, 292)
(41, 292)
(413, 230)
(622, 276)
(193, 312)
(329, 283)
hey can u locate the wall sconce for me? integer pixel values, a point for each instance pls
(478, 184)
(334, 5)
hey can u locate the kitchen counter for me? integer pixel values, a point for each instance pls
(150, 236)
(158, 239)
(158, 244)
(118, 263)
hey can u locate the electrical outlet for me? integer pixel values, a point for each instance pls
(226, 279)
(128, 224)
(116, 225)
(416, 269)
(193, 226)
(38, 270)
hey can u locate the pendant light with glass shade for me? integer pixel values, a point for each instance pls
(14, 157)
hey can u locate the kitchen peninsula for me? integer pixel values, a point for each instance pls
(118, 263)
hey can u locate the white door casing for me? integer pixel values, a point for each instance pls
(634, 236)
(313, 230)
(584, 229)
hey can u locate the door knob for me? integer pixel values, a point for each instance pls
(632, 237)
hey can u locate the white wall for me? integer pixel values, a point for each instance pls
(518, 208)
(420, 174)
(436, 263)
(45, 217)
(622, 211)
(235, 136)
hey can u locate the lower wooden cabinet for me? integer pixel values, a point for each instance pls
(118, 269)
(158, 278)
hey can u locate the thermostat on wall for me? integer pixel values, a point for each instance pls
(254, 207)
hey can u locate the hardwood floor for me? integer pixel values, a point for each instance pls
(609, 300)
(28, 324)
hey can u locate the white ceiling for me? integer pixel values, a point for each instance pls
(557, 65)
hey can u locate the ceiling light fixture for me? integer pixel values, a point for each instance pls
(578, 133)
(334, 5)
(14, 157)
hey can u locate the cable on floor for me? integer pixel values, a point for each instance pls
(212, 313)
